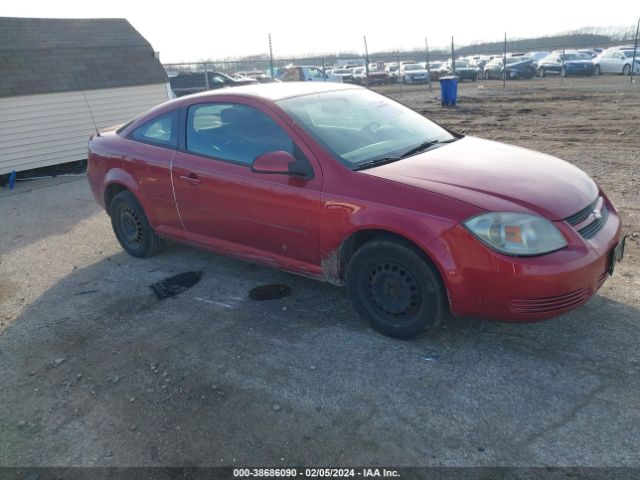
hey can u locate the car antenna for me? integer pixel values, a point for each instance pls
(91, 113)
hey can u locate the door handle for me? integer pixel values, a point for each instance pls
(192, 179)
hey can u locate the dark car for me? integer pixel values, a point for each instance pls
(186, 83)
(339, 183)
(464, 70)
(517, 67)
(565, 64)
(379, 76)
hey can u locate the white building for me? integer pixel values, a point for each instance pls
(55, 73)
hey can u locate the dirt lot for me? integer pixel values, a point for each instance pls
(96, 371)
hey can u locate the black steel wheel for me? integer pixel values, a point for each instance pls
(132, 228)
(395, 288)
(626, 70)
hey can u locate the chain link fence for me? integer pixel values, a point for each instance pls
(420, 68)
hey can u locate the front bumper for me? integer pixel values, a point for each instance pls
(485, 283)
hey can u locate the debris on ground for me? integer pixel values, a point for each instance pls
(270, 292)
(434, 357)
(176, 284)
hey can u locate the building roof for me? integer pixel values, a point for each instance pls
(43, 55)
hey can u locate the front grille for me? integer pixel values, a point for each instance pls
(582, 215)
(594, 227)
(545, 305)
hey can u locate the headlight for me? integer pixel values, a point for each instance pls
(516, 234)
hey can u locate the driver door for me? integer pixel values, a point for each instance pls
(224, 205)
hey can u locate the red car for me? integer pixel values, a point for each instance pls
(339, 183)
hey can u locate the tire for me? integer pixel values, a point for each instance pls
(541, 72)
(626, 70)
(395, 288)
(131, 227)
(563, 72)
(597, 70)
(487, 76)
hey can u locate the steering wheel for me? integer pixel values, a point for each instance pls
(371, 128)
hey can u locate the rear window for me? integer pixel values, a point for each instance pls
(161, 131)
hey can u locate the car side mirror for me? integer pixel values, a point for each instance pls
(281, 163)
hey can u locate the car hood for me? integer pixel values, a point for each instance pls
(496, 177)
(522, 64)
(415, 72)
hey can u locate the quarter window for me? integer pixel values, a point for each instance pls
(161, 131)
(234, 133)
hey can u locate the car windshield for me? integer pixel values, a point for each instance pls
(413, 66)
(359, 126)
(516, 60)
(461, 64)
(576, 56)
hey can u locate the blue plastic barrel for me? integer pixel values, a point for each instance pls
(449, 91)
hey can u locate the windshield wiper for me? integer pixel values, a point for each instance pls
(417, 149)
(425, 146)
(376, 162)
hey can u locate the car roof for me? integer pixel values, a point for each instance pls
(277, 91)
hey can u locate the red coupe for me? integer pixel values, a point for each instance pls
(342, 184)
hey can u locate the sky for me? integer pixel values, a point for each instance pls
(193, 30)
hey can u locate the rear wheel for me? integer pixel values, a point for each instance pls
(487, 76)
(563, 72)
(395, 288)
(597, 70)
(626, 70)
(132, 228)
(541, 72)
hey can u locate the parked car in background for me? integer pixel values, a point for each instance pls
(434, 69)
(617, 61)
(359, 75)
(345, 74)
(536, 57)
(186, 83)
(413, 73)
(341, 184)
(463, 70)
(589, 52)
(517, 67)
(479, 61)
(303, 73)
(379, 75)
(392, 72)
(569, 63)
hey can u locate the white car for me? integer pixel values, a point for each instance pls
(414, 73)
(614, 60)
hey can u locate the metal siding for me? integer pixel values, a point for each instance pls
(48, 129)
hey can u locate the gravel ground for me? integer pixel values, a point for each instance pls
(97, 371)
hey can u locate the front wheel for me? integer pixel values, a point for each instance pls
(395, 288)
(541, 72)
(563, 72)
(597, 70)
(626, 70)
(132, 228)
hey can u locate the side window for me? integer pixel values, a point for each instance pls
(161, 131)
(234, 133)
